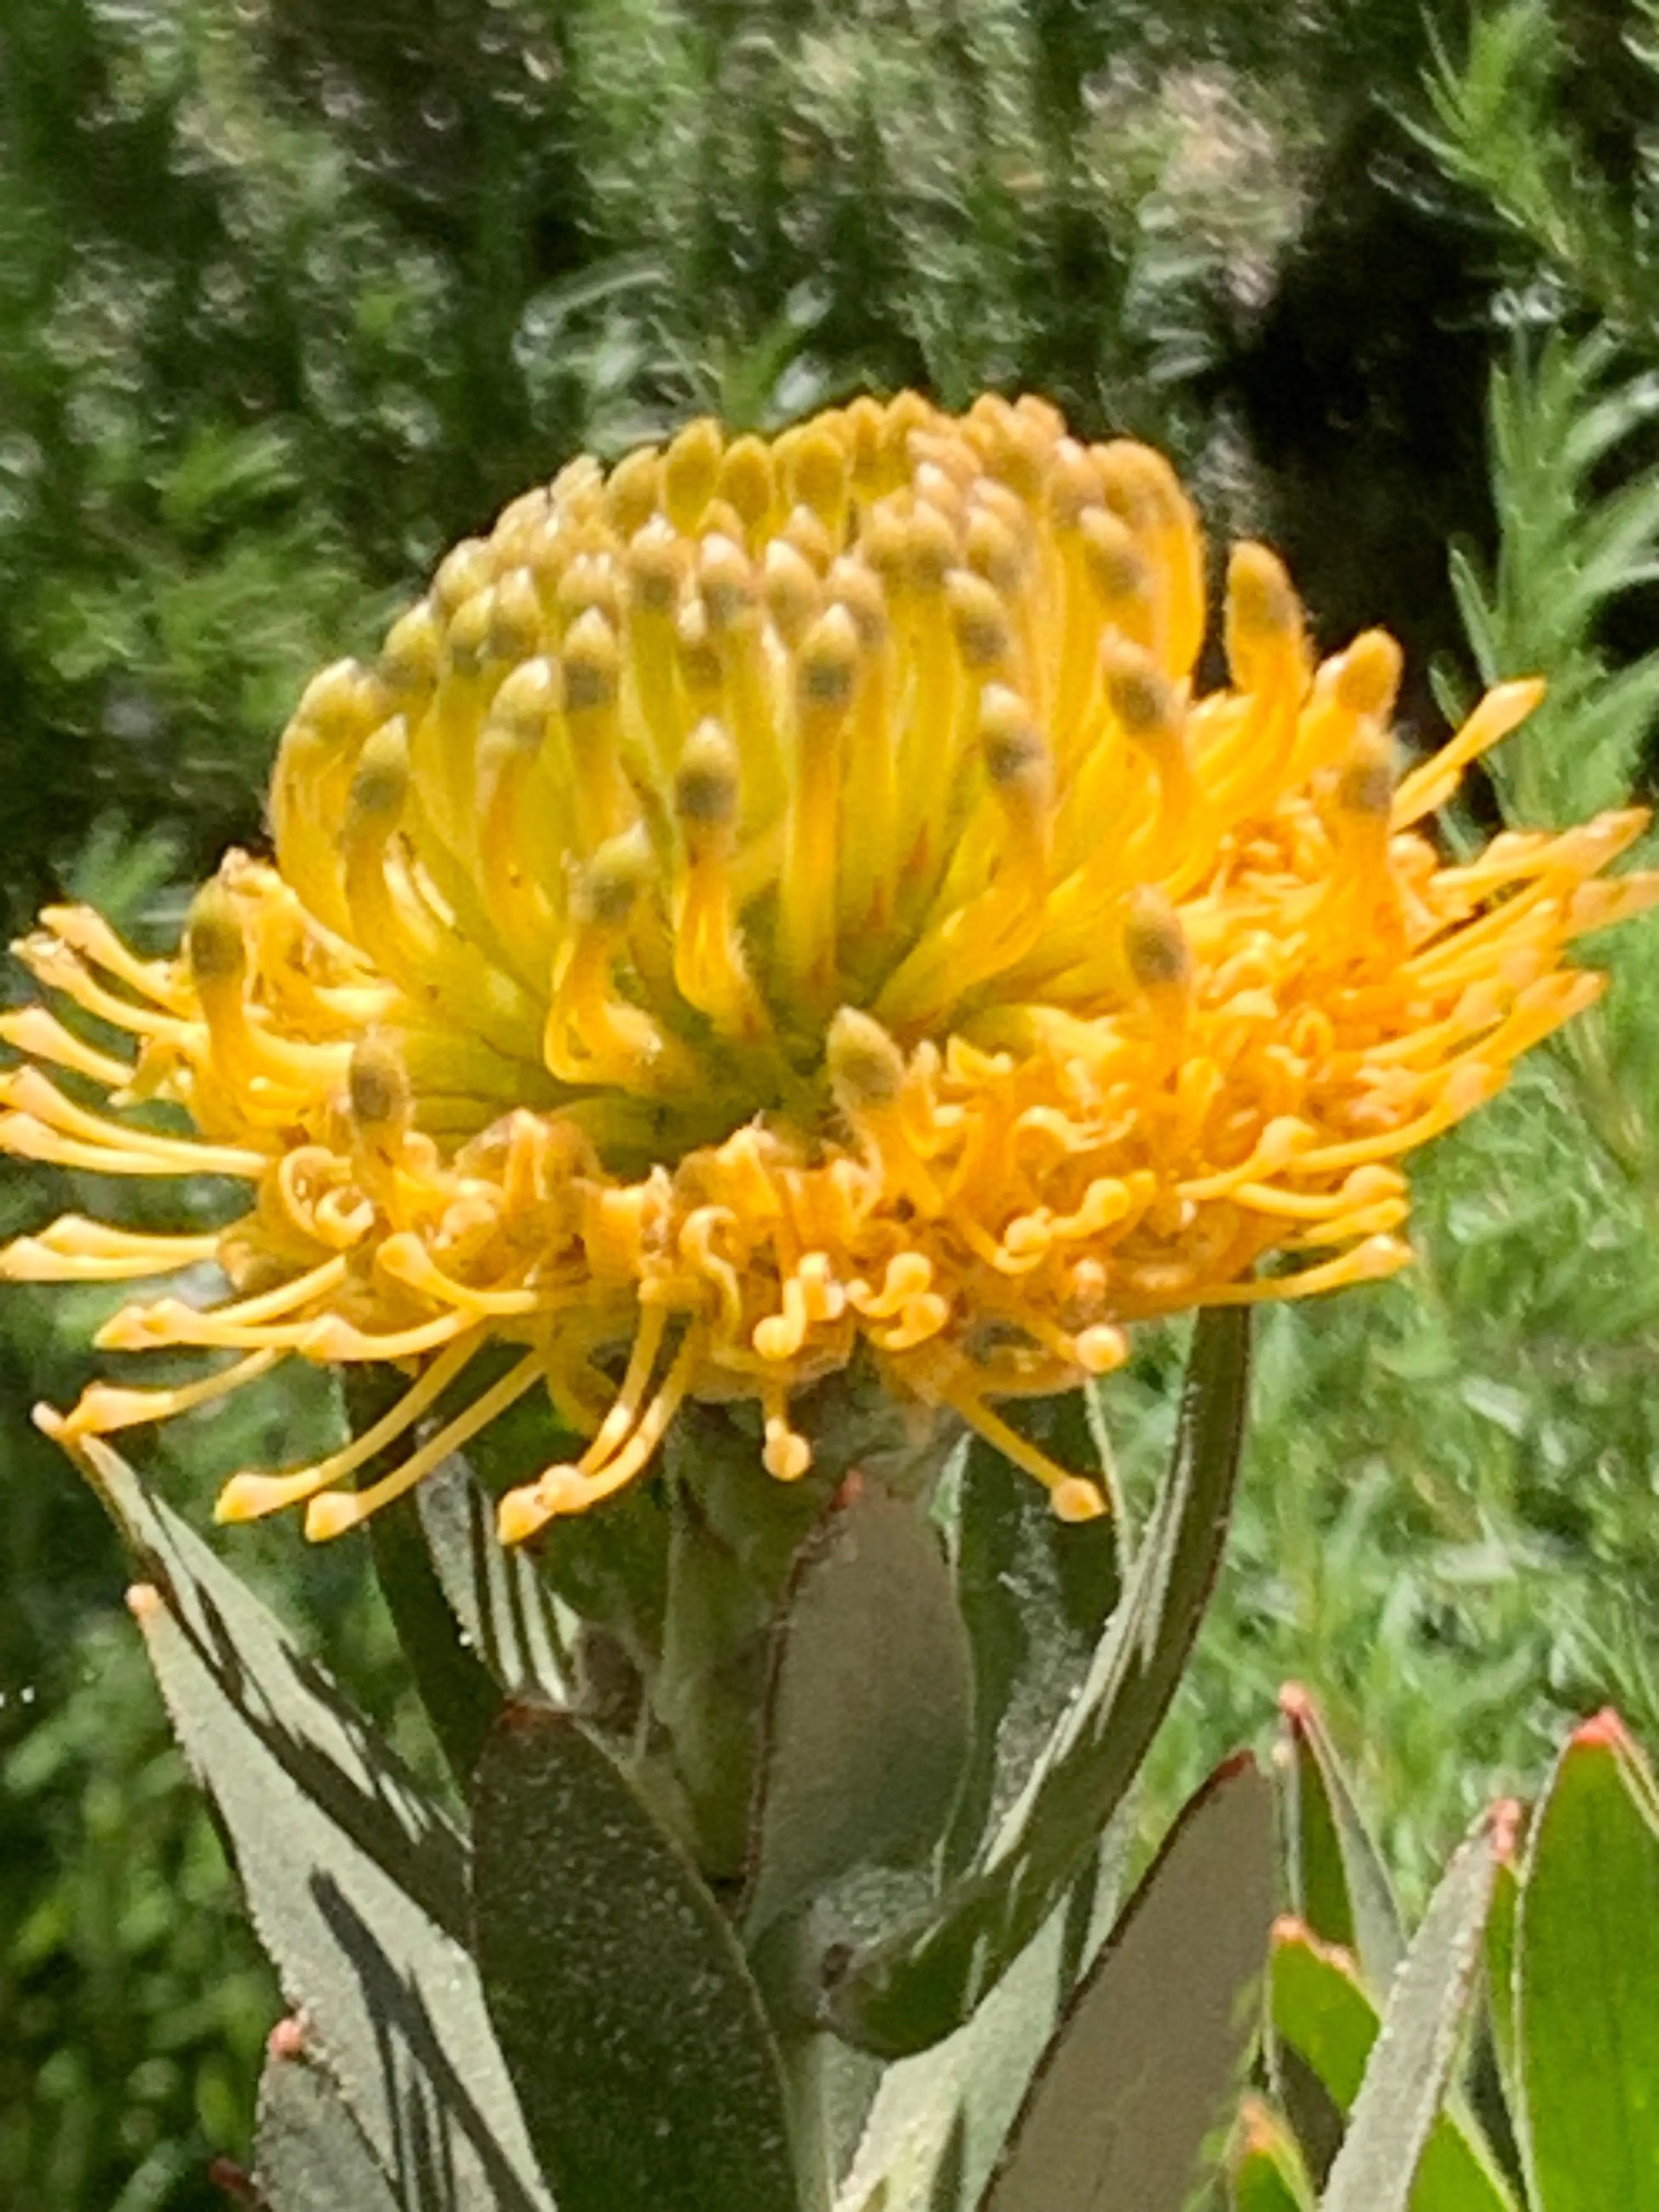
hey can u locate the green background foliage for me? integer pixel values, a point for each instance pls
(294, 292)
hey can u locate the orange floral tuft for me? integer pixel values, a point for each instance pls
(782, 897)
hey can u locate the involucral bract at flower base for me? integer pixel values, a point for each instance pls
(779, 898)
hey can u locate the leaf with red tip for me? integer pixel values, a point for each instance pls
(1587, 1969)
(310, 2156)
(1320, 2010)
(1265, 2167)
(1338, 1882)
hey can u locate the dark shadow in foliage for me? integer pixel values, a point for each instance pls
(497, 1595)
(354, 1878)
(1362, 391)
(473, 1618)
(310, 2155)
(459, 1694)
(1037, 1595)
(432, 2106)
(391, 1821)
(945, 2195)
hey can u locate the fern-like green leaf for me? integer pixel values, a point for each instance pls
(1497, 132)
(1560, 418)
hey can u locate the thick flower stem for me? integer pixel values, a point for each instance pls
(710, 1688)
(804, 2052)
(787, 1963)
(732, 1539)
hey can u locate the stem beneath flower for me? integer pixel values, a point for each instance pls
(804, 2052)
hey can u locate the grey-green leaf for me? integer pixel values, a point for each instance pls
(1134, 2092)
(354, 1879)
(634, 2031)
(933, 2134)
(1502, 2002)
(475, 1622)
(1412, 2061)
(507, 1614)
(917, 1986)
(870, 1714)
(309, 2154)
(458, 1694)
(1322, 2013)
(1036, 1594)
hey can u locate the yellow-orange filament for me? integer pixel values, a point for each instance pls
(779, 901)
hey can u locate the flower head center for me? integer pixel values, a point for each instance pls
(779, 899)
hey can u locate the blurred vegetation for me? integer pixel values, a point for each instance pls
(294, 292)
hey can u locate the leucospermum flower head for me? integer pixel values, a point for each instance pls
(782, 898)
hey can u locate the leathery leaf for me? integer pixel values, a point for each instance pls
(1264, 2170)
(634, 2031)
(916, 1986)
(1135, 2087)
(309, 2154)
(869, 1709)
(1321, 2010)
(1339, 1883)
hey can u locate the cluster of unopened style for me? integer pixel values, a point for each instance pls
(779, 898)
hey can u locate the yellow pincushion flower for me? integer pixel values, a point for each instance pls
(779, 898)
